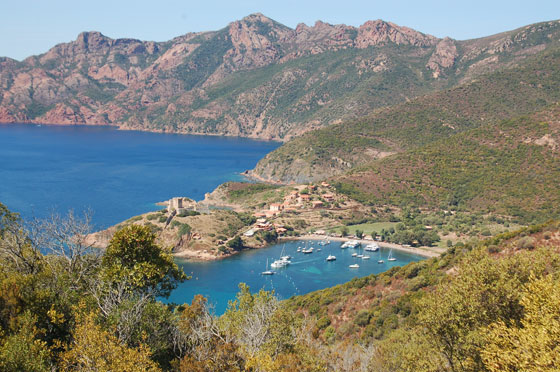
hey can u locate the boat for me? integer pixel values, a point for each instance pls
(331, 258)
(391, 258)
(354, 255)
(279, 264)
(354, 266)
(283, 261)
(380, 262)
(350, 244)
(299, 249)
(372, 247)
(307, 251)
(360, 256)
(365, 257)
(267, 271)
(318, 249)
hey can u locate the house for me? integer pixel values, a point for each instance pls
(328, 197)
(324, 184)
(317, 203)
(305, 197)
(281, 230)
(276, 207)
(259, 215)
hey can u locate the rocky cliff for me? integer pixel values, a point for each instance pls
(254, 78)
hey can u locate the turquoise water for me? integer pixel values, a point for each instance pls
(121, 174)
(118, 174)
(218, 280)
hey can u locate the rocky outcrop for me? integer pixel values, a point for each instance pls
(443, 58)
(254, 78)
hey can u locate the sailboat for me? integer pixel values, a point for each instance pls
(267, 271)
(391, 258)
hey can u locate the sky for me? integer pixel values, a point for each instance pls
(29, 27)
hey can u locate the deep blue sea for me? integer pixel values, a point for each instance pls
(117, 174)
(120, 174)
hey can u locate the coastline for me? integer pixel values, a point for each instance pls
(427, 252)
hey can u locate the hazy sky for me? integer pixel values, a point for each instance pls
(33, 26)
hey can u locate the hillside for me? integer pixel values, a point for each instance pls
(253, 78)
(526, 88)
(510, 167)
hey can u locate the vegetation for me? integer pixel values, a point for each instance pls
(433, 117)
(502, 169)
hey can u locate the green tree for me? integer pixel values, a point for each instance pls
(133, 256)
(236, 243)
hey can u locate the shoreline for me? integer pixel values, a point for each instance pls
(427, 252)
(126, 127)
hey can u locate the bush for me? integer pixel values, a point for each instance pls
(184, 229)
(236, 243)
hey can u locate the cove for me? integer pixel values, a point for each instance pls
(116, 174)
(218, 280)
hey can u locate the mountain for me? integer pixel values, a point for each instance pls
(510, 168)
(254, 78)
(529, 86)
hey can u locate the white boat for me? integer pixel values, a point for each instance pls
(380, 261)
(354, 266)
(299, 249)
(365, 257)
(360, 256)
(318, 249)
(372, 247)
(279, 264)
(331, 258)
(307, 251)
(391, 258)
(354, 255)
(283, 261)
(267, 271)
(350, 244)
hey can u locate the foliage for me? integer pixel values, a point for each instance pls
(133, 256)
(532, 343)
(236, 243)
(95, 349)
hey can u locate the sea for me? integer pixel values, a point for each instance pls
(46, 169)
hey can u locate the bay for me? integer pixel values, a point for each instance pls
(116, 174)
(120, 174)
(218, 281)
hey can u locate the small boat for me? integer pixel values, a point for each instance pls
(307, 251)
(286, 258)
(318, 249)
(372, 247)
(331, 258)
(380, 262)
(354, 255)
(267, 271)
(391, 258)
(365, 257)
(354, 266)
(299, 249)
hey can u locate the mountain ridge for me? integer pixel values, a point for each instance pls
(253, 78)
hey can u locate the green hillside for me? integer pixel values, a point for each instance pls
(511, 167)
(504, 94)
